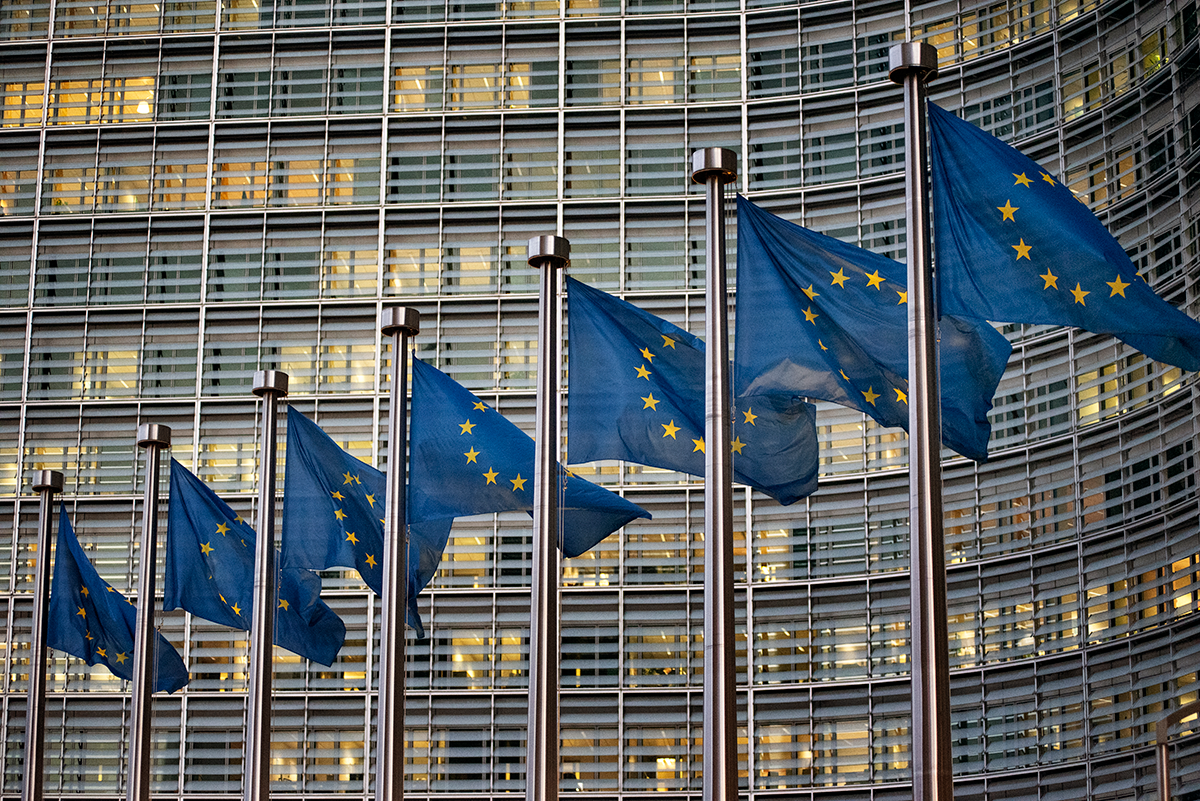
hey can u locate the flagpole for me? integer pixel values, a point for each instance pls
(400, 324)
(271, 386)
(714, 167)
(913, 64)
(46, 484)
(550, 254)
(154, 438)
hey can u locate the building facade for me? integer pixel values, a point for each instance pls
(191, 190)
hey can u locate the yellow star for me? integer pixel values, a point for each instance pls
(843, 373)
(903, 297)
(481, 406)
(240, 520)
(338, 496)
(85, 591)
(1047, 179)
(371, 500)
(1080, 294)
(339, 514)
(875, 279)
(347, 479)
(839, 278)
(81, 613)
(222, 529)
(357, 480)
(87, 635)
(1007, 210)
(490, 475)
(750, 416)
(206, 549)
(371, 560)
(871, 395)
(737, 445)
(1118, 287)
(647, 355)
(900, 396)
(1023, 250)
(283, 604)
(810, 315)
(668, 342)
(822, 344)
(642, 372)
(1050, 278)
(471, 454)
(121, 657)
(351, 538)
(237, 610)
(810, 292)
(651, 402)
(699, 443)
(102, 653)
(466, 427)
(222, 597)
(669, 429)
(518, 482)
(109, 588)
(1021, 179)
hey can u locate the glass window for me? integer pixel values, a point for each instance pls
(414, 163)
(180, 169)
(18, 175)
(123, 173)
(417, 72)
(472, 166)
(299, 84)
(118, 265)
(352, 165)
(16, 247)
(244, 80)
(592, 156)
(240, 168)
(21, 88)
(185, 81)
(654, 66)
(593, 69)
(356, 78)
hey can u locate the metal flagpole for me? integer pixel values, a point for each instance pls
(399, 324)
(270, 385)
(46, 484)
(550, 254)
(154, 438)
(913, 64)
(714, 167)
(1162, 753)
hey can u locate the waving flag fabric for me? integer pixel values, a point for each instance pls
(333, 514)
(468, 459)
(89, 619)
(1015, 245)
(636, 392)
(821, 318)
(210, 573)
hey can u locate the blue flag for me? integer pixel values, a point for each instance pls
(1015, 245)
(468, 459)
(333, 514)
(636, 392)
(828, 320)
(91, 620)
(210, 573)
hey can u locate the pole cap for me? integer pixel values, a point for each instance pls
(270, 381)
(154, 434)
(920, 58)
(400, 320)
(48, 481)
(549, 250)
(710, 161)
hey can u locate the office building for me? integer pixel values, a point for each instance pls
(191, 190)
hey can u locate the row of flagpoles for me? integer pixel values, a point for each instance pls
(846, 348)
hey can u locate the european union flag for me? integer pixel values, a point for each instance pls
(333, 513)
(636, 392)
(825, 319)
(468, 459)
(91, 620)
(210, 573)
(1015, 245)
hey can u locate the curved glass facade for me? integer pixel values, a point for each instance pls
(191, 190)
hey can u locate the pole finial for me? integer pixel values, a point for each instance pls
(270, 381)
(710, 161)
(153, 434)
(400, 319)
(549, 251)
(51, 480)
(907, 58)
